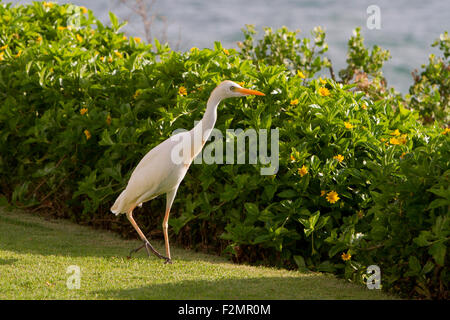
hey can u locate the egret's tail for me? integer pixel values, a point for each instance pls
(118, 206)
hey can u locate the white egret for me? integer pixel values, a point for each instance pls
(157, 173)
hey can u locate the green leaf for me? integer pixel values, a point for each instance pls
(251, 208)
(444, 193)
(313, 219)
(289, 193)
(229, 193)
(308, 231)
(105, 139)
(423, 239)
(439, 203)
(300, 262)
(429, 266)
(340, 247)
(438, 251)
(114, 21)
(414, 265)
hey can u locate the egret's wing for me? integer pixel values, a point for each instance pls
(155, 174)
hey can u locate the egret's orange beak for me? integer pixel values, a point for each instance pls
(249, 92)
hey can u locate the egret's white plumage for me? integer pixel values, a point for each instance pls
(154, 175)
(157, 173)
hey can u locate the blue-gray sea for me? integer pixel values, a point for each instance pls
(407, 27)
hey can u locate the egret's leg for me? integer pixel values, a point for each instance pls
(147, 244)
(170, 196)
(166, 236)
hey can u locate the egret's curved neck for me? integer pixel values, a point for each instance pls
(202, 130)
(209, 118)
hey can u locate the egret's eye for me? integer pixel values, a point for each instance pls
(232, 88)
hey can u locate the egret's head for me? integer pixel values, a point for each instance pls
(230, 89)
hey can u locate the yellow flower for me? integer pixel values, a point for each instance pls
(87, 134)
(403, 155)
(241, 83)
(324, 92)
(1, 56)
(302, 171)
(4, 47)
(137, 39)
(348, 125)
(137, 93)
(226, 52)
(332, 197)
(124, 38)
(48, 4)
(118, 54)
(403, 139)
(194, 49)
(322, 81)
(364, 106)
(346, 256)
(398, 141)
(84, 10)
(339, 157)
(182, 91)
(300, 74)
(294, 102)
(79, 38)
(108, 120)
(102, 59)
(322, 193)
(446, 130)
(83, 111)
(18, 54)
(395, 133)
(39, 39)
(62, 28)
(110, 59)
(292, 158)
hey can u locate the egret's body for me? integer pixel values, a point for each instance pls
(154, 175)
(157, 173)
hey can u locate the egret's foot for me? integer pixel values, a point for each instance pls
(134, 251)
(149, 249)
(168, 261)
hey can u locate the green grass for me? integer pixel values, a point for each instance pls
(35, 253)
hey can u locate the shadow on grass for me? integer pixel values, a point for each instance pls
(7, 261)
(282, 288)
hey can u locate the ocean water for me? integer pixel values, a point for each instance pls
(407, 29)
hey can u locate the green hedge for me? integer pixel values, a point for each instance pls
(361, 181)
